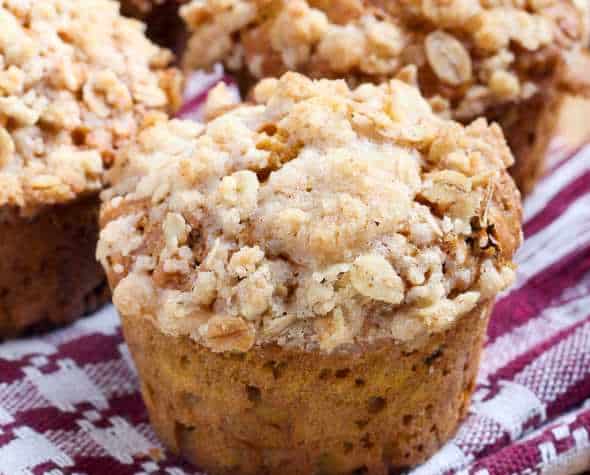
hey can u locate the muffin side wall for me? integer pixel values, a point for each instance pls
(48, 270)
(274, 410)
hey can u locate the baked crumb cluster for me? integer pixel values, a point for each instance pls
(76, 81)
(319, 218)
(471, 55)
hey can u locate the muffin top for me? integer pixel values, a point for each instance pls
(76, 81)
(471, 55)
(323, 217)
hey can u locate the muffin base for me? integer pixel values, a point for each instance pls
(274, 410)
(532, 127)
(48, 270)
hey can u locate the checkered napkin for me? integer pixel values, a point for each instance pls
(69, 401)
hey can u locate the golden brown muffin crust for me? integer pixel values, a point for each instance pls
(278, 411)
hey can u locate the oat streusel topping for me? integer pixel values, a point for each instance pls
(76, 81)
(321, 217)
(471, 55)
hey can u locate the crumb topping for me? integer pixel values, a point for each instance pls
(471, 55)
(320, 218)
(76, 81)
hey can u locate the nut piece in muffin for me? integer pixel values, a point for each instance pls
(77, 81)
(508, 61)
(340, 237)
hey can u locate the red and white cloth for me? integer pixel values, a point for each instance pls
(69, 400)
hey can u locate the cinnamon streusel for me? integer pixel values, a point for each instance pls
(337, 237)
(77, 81)
(508, 61)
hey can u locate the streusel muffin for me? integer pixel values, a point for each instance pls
(77, 80)
(305, 284)
(508, 61)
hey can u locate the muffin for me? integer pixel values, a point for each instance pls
(509, 61)
(77, 81)
(304, 284)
